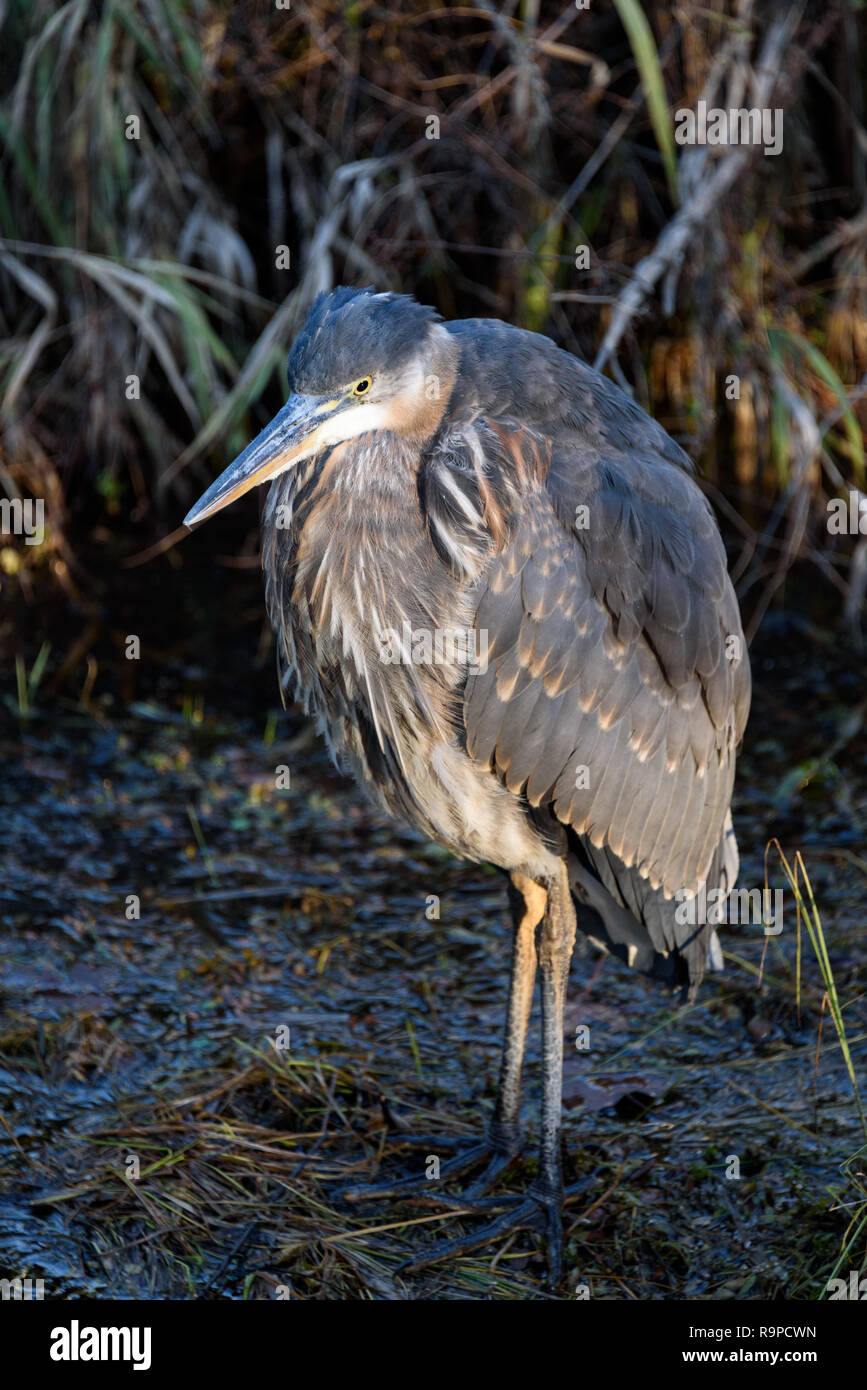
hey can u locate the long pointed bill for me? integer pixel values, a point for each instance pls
(289, 436)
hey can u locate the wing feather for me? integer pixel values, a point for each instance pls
(609, 651)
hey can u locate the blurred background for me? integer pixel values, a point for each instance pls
(177, 182)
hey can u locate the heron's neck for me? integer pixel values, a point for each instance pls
(350, 528)
(370, 481)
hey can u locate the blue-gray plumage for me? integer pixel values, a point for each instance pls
(577, 725)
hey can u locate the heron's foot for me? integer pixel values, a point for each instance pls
(539, 1210)
(496, 1152)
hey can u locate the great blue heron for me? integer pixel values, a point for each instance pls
(577, 724)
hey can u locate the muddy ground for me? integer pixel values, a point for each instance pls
(186, 1093)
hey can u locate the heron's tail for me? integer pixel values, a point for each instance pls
(621, 913)
(729, 867)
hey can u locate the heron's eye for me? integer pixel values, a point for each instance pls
(362, 387)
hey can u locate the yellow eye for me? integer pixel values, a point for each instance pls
(362, 387)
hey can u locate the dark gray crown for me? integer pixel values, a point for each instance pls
(351, 333)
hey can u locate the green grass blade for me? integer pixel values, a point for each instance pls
(21, 683)
(38, 669)
(813, 922)
(641, 41)
(822, 367)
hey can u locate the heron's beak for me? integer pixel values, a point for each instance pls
(290, 435)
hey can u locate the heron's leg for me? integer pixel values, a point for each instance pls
(556, 942)
(503, 1140)
(528, 901)
(542, 1206)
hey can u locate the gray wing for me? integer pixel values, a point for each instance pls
(617, 685)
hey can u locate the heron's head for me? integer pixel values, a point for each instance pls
(363, 362)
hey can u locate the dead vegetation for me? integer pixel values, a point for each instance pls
(156, 1141)
(180, 180)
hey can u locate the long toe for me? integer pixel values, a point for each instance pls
(421, 1186)
(538, 1211)
(500, 1163)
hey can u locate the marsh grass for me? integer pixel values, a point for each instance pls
(155, 257)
